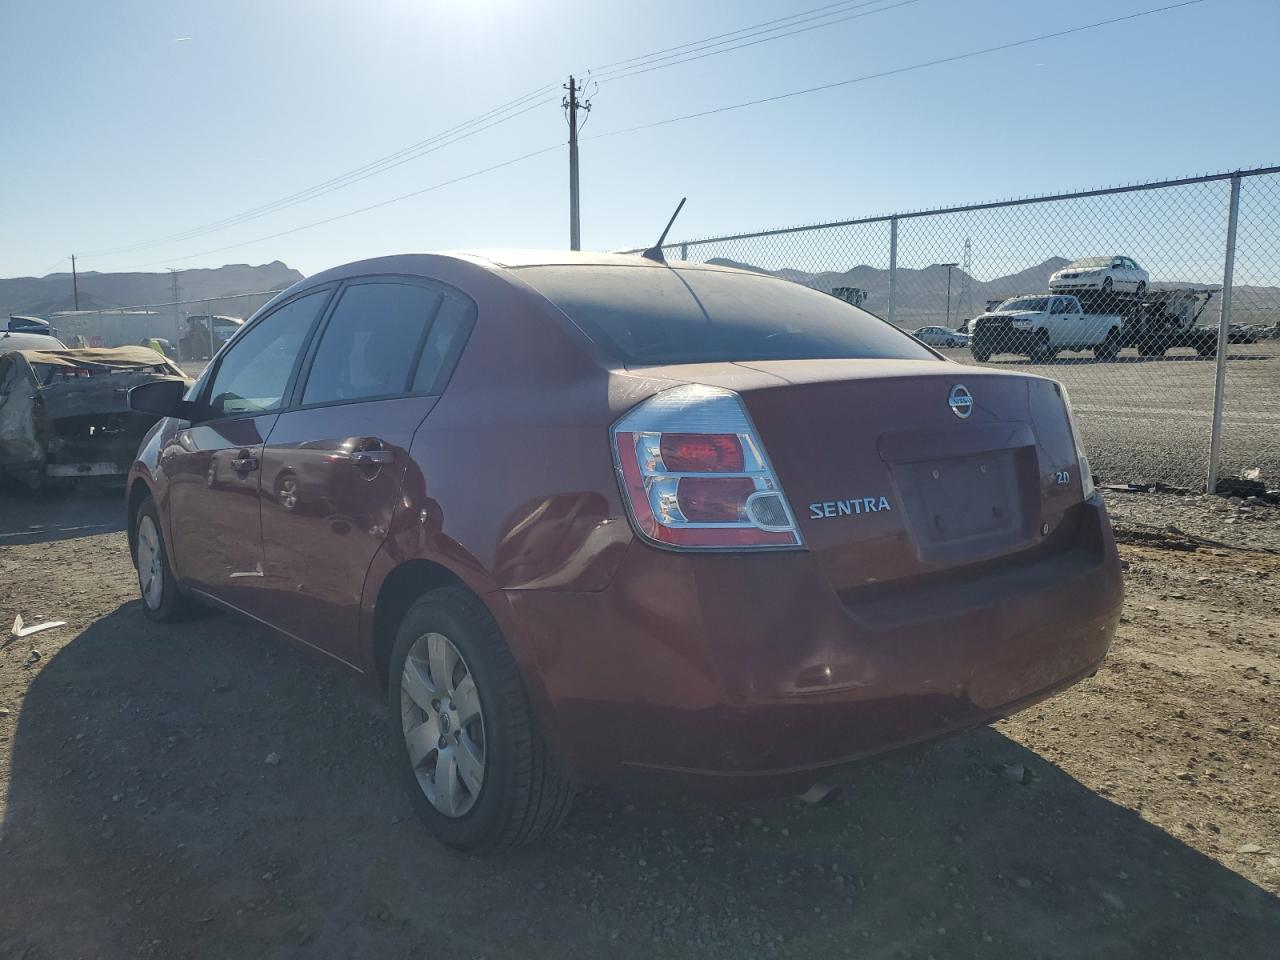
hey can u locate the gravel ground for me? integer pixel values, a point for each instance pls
(1199, 520)
(1135, 815)
(1145, 420)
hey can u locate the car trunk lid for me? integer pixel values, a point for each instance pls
(886, 480)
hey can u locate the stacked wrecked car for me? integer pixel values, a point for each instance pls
(64, 414)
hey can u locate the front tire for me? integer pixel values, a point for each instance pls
(478, 770)
(1109, 349)
(1043, 352)
(162, 599)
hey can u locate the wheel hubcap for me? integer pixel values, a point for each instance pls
(443, 724)
(150, 569)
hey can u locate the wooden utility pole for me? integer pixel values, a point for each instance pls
(575, 227)
(75, 283)
(573, 105)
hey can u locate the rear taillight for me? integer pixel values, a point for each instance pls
(694, 473)
(1087, 487)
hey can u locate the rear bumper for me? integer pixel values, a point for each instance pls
(751, 675)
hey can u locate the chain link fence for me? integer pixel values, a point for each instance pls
(188, 331)
(1117, 293)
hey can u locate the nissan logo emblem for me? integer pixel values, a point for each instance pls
(960, 400)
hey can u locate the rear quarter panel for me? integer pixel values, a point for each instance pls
(510, 483)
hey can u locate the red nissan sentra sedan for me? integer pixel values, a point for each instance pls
(590, 517)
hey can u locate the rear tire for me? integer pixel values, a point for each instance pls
(981, 354)
(1142, 289)
(1152, 350)
(507, 790)
(162, 598)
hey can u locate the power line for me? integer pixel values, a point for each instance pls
(352, 213)
(742, 42)
(718, 36)
(691, 116)
(462, 131)
(49, 269)
(693, 50)
(893, 72)
(645, 126)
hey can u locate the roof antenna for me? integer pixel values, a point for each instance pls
(654, 253)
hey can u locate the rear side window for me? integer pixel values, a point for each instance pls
(651, 315)
(371, 342)
(444, 345)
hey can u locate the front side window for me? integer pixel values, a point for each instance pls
(254, 373)
(370, 343)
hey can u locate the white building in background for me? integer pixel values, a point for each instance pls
(114, 328)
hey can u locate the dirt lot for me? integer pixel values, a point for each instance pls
(1136, 815)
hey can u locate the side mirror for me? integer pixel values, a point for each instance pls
(161, 398)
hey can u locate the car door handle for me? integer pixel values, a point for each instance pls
(371, 458)
(244, 464)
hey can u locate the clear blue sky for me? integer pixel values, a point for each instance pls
(117, 132)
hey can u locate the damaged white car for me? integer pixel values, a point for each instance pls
(64, 414)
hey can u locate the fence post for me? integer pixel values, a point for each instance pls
(1224, 327)
(893, 265)
(684, 251)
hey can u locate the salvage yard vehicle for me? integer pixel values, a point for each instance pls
(1101, 274)
(205, 335)
(1167, 319)
(595, 518)
(940, 337)
(1040, 326)
(9, 342)
(64, 414)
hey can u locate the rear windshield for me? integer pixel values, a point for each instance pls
(645, 315)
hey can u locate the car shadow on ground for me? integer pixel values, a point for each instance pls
(60, 513)
(205, 790)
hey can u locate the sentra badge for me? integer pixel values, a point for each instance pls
(845, 508)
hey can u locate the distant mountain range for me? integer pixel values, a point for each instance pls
(41, 296)
(921, 294)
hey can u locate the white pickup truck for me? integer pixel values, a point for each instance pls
(1040, 326)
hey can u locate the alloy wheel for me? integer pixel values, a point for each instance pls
(150, 563)
(443, 724)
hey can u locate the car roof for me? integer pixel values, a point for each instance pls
(500, 260)
(18, 340)
(516, 258)
(464, 267)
